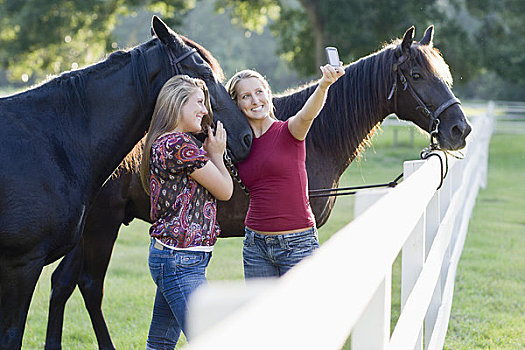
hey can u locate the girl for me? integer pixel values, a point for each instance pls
(280, 226)
(183, 181)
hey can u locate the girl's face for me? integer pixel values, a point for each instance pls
(192, 113)
(252, 99)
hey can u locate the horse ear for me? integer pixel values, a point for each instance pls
(429, 35)
(408, 38)
(161, 30)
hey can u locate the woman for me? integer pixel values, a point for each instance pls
(183, 181)
(280, 226)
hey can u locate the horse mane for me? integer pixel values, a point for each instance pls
(207, 56)
(131, 163)
(349, 117)
(357, 103)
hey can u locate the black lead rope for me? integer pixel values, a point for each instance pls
(332, 192)
(425, 154)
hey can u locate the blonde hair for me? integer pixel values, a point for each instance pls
(167, 115)
(231, 86)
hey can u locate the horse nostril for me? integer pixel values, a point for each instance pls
(460, 130)
(456, 132)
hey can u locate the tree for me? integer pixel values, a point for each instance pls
(41, 37)
(356, 27)
(500, 35)
(475, 35)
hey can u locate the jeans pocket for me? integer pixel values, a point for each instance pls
(190, 259)
(302, 246)
(302, 241)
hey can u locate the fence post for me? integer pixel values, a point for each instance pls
(413, 253)
(490, 120)
(372, 331)
(433, 221)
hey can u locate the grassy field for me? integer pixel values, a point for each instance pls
(488, 310)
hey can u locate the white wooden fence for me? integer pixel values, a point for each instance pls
(511, 119)
(345, 287)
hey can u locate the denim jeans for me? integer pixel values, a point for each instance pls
(177, 274)
(274, 255)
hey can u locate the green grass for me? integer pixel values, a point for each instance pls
(488, 309)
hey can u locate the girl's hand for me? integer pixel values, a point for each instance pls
(330, 75)
(215, 144)
(214, 176)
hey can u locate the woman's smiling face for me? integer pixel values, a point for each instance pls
(252, 99)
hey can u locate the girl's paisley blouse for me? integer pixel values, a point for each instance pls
(183, 211)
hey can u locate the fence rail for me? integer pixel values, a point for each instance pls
(344, 288)
(510, 117)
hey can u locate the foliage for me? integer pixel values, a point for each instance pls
(41, 37)
(477, 37)
(296, 41)
(501, 36)
(253, 15)
(359, 27)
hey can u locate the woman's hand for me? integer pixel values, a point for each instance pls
(214, 176)
(215, 144)
(300, 123)
(330, 75)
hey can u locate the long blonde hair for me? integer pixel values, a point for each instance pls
(231, 86)
(167, 115)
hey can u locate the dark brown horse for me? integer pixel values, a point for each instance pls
(64, 138)
(357, 103)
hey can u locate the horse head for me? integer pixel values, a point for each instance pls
(422, 93)
(194, 60)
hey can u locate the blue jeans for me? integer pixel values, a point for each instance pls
(274, 255)
(177, 274)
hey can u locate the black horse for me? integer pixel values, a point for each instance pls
(405, 77)
(64, 138)
(408, 78)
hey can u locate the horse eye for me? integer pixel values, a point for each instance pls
(416, 76)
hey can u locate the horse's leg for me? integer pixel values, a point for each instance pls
(97, 253)
(63, 282)
(18, 276)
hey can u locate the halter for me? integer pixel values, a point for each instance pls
(422, 107)
(175, 61)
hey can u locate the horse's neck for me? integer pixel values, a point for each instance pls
(97, 113)
(118, 115)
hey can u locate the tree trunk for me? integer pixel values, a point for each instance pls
(314, 16)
